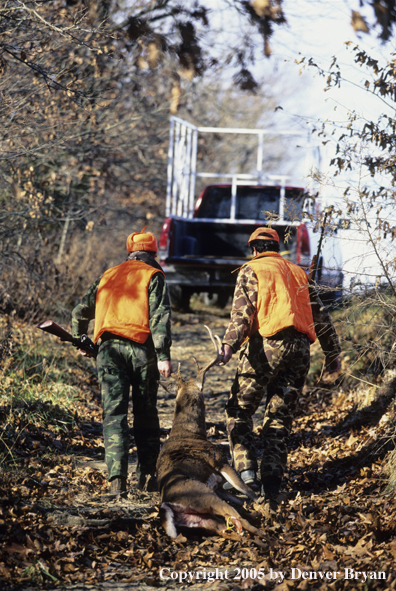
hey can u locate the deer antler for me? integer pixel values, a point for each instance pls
(215, 361)
(177, 376)
(217, 345)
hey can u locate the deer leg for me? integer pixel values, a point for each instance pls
(236, 481)
(167, 518)
(231, 515)
(193, 504)
(250, 528)
(228, 497)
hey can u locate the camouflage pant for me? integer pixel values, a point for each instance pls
(122, 364)
(272, 369)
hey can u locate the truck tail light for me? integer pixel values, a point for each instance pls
(198, 205)
(303, 246)
(163, 247)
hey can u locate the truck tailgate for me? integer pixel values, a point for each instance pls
(213, 242)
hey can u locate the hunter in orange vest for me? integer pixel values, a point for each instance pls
(131, 307)
(122, 289)
(273, 320)
(283, 297)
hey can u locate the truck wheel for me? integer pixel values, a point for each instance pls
(180, 297)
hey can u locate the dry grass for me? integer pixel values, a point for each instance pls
(38, 387)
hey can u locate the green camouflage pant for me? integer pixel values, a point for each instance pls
(272, 369)
(122, 364)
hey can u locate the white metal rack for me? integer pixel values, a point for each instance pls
(182, 167)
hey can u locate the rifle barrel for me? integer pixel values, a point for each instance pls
(315, 259)
(312, 269)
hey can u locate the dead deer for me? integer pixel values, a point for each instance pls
(190, 468)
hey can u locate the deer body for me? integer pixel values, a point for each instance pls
(190, 468)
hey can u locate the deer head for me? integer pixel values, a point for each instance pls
(190, 407)
(199, 380)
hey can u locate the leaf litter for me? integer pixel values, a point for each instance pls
(60, 530)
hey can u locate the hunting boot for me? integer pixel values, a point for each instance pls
(118, 486)
(270, 492)
(250, 479)
(147, 482)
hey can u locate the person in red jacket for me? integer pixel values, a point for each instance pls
(275, 317)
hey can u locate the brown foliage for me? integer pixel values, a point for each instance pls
(56, 523)
(83, 156)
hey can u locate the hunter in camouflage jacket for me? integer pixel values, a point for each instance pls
(272, 370)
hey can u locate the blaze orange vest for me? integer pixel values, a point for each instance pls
(283, 296)
(122, 302)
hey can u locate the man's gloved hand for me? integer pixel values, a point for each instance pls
(226, 352)
(332, 365)
(165, 368)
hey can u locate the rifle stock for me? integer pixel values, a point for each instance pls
(83, 343)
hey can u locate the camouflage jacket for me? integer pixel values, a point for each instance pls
(244, 311)
(159, 308)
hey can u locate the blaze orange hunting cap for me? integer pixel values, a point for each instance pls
(141, 241)
(264, 234)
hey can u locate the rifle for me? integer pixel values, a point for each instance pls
(84, 343)
(315, 259)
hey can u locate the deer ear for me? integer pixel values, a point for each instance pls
(165, 387)
(177, 376)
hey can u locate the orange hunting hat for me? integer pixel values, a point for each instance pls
(264, 234)
(141, 241)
